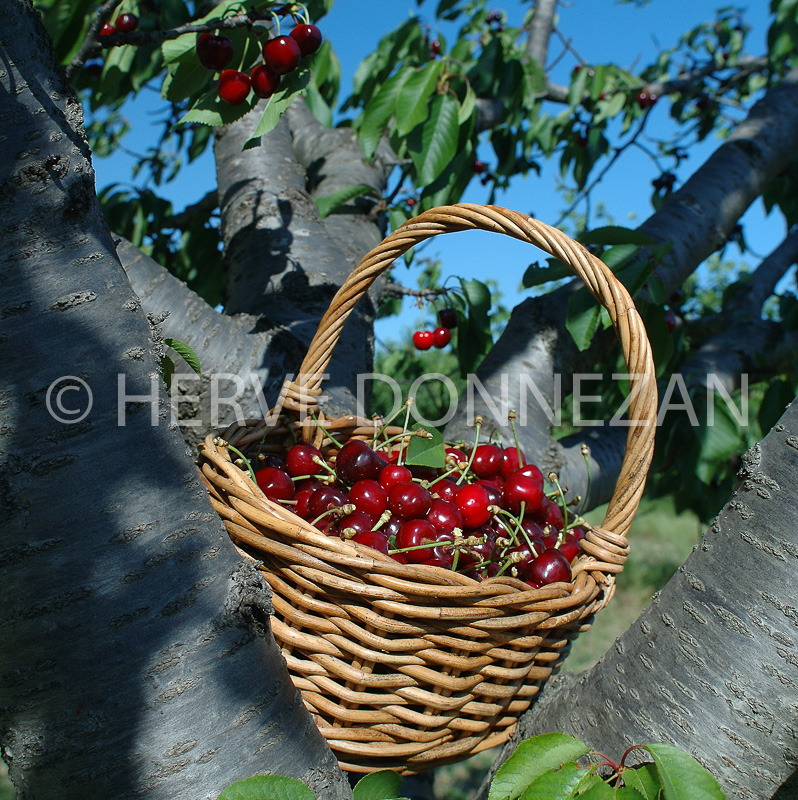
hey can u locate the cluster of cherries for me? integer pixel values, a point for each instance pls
(281, 55)
(485, 514)
(441, 336)
(125, 23)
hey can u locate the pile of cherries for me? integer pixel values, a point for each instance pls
(485, 514)
(441, 336)
(281, 55)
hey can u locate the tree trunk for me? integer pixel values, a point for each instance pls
(137, 657)
(710, 665)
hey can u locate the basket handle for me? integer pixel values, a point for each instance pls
(603, 285)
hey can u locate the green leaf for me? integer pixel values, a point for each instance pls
(318, 105)
(535, 275)
(626, 793)
(583, 317)
(645, 780)
(167, 370)
(558, 784)
(598, 791)
(683, 778)
(434, 146)
(411, 104)
(467, 106)
(267, 787)
(383, 785)
(378, 113)
(531, 759)
(185, 351)
(615, 234)
(291, 86)
(426, 452)
(175, 49)
(211, 110)
(341, 197)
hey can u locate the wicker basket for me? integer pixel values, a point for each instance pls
(408, 667)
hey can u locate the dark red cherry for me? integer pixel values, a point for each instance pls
(441, 337)
(374, 539)
(413, 533)
(127, 22)
(356, 462)
(447, 318)
(409, 500)
(511, 462)
(551, 566)
(282, 54)
(275, 483)
(107, 29)
(368, 496)
(354, 523)
(445, 489)
(214, 52)
(444, 516)
(554, 516)
(308, 37)
(265, 81)
(323, 499)
(234, 86)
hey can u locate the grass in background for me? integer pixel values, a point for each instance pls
(660, 541)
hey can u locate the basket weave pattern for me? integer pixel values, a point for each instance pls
(406, 666)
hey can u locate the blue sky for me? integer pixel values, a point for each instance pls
(600, 31)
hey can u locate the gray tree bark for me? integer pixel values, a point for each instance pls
(710, 665)
(137, 656)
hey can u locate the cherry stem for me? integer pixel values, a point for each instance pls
(418, 547)
(385, 424)
(621, 766)
(477, 429)
(511, 418)
(608, 762)
(337, 510)
(324, 465)
(409, 404)
(563, 505)
(245, 460)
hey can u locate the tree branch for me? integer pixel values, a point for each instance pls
(540, 29)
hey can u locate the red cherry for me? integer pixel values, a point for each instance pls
(265, 81)
(299, 460)
(356, 461)
(495, 489)
(234, 86)
(554, 517)
(472, 502)
(411, 202)
(413, 533)
(368, 496)
(444, 489)
(444, 516)
(423, 340)
(107, 29)
(479, 167)
(214, 52)
(441, 337)
(447, 318)
(354, 523)
(570, 547)
(551, 566)
(308, 37)
(511, 462)
(394, 473)
(323, 499)
(282, 54)
(579, 533)
(488, 461)
(531, 471)
(302, 498)
(275, 483)
(520, 489)
(374, 539)
(435, 48)
(409, 500)
(126, 23)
